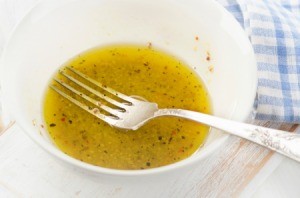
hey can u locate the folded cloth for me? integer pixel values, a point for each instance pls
(273, 27)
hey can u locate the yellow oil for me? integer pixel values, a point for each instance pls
(133, 70)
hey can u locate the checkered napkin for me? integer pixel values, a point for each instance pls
(273, 27)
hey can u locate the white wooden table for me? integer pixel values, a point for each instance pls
(240, 168)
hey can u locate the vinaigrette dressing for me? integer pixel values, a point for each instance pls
(132, 70)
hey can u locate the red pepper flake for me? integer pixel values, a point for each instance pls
(181, 150)
(173, 132)
(211, 68)
(63, 119)
(208, 58)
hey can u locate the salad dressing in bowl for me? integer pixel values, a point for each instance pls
(133, 70)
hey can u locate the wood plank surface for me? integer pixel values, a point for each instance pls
(238, 162)
(28, 171)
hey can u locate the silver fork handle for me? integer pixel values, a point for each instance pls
(282, 142)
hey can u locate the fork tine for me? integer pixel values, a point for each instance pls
(108, 89)
(99, 115)
(101, 95)
(91, 100)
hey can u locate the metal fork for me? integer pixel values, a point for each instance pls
(131, 113)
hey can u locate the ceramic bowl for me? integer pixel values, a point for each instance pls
(54, 31)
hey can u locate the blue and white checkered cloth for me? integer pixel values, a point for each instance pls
(273, 27)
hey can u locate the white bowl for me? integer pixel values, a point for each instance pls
(54, 31)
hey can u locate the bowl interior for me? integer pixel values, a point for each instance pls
(55, 31)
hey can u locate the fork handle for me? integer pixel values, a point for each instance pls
(282, 142)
